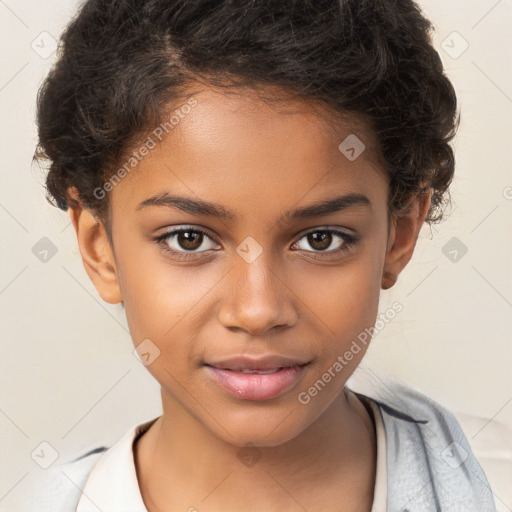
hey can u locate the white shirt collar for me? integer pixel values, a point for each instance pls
(112, 484)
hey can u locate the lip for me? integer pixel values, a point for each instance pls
(268, 362)
(255, 386)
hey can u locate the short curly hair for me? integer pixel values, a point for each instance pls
(122, 64)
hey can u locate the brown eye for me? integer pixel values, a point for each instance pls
(320, 240)
(329, 241)
(187, 240)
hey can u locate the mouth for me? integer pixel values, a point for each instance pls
(259, 372)
(266, 364)
(257, 383)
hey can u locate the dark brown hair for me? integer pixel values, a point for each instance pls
(122, 64)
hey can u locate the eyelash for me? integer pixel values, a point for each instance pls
(348, 245)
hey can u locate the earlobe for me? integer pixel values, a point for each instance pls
(403, 235)
(96, 252)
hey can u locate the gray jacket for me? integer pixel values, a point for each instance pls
(431, 466)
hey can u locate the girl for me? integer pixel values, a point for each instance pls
(245, 177)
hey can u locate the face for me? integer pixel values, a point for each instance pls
(248, 232)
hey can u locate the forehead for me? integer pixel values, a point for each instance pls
(233, 144)
(272, 116)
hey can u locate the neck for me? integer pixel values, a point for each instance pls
(180, 462)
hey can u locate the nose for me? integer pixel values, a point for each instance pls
(258, 297)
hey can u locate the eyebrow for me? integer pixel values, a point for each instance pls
(200, 207)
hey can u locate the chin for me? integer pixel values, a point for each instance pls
(258, 429)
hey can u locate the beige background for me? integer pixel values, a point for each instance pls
(67, 372)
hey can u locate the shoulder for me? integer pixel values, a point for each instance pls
(98, 472)
(491, 442)
(428, 449)
(57, 488)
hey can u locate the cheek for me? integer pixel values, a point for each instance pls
(156, 294)
(345, 308)
(343, 301)
(165, 303)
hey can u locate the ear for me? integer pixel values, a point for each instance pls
(403, 235)
(97, 255)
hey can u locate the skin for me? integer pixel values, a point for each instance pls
(294, 299)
